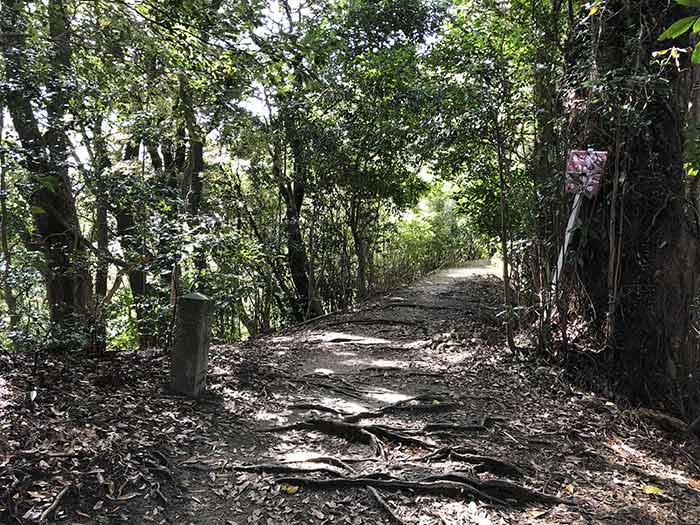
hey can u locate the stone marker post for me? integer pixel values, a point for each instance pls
(190, 352)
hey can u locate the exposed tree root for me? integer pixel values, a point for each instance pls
(329, 460)
(385, 506)
(352, 432)
(416, 305)
(346, 388)
(481, 463)
(281, 468)
(451, 484)
(501, 489)
(347, 431)
(390, 322)
(319, 408)
(382, 370)
(451, 427)
(336, 461)
(393, 434)
(54, 504)
(441, 488)
(434, 403)
(346, 391)
(430, 428)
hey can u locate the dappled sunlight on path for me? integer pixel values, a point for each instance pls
(408, 409)
(418, 386)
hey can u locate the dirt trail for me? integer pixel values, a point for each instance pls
(408, 409)
(443, 400)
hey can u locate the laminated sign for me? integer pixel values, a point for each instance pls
(584, 171)
(584, 175)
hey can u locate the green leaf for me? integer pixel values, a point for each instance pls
(695, 57)
(678, 28)
(689, 3)
(49, 181)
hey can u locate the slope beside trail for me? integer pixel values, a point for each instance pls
(408, 409)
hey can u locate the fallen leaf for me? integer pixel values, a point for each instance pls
(37, 495)
(290, 489)
(651, 489)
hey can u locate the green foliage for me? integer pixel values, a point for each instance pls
(679, 27)
(682, 26)
(428, 237)
(203, 131)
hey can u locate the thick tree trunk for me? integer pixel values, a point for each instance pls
(67, 277)
(655, 251)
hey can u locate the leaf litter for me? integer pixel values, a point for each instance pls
(414, 414)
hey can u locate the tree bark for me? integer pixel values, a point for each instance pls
(100, 187)
(655, 265)
(504, 188)
(54, 214)
(193, 185)
(174, 158)
(547, 159)
(360, 247)
(293, 193)
(296, 251)
(130, 239)
(8, 293)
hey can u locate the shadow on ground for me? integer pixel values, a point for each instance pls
(407, 410)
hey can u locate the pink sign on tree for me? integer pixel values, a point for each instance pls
(584, 175)
(584, 171)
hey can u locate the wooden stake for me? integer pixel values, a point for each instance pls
(567, 238)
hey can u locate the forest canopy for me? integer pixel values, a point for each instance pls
(265, 153)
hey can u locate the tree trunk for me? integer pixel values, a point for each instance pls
(100, 187)
(54, 214)
(638, 121)
(193, 184)
(692, 119)
(547, 162)
(174, 158)
(296, 252)
(503, 178)
(293, 195)
(130, 239)
(8, 293)
(360, 248)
